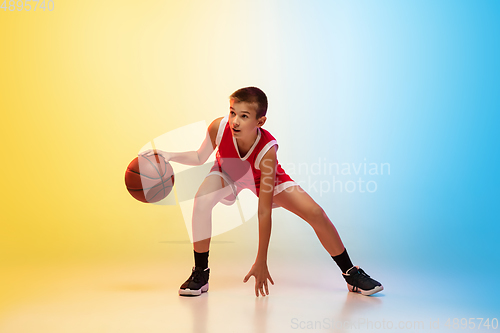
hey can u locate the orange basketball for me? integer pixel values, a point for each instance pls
(149, 179)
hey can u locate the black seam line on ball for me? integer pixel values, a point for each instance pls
(154, 166)
(148, 188)
(138, 173)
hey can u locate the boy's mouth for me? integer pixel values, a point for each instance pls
(235, 130)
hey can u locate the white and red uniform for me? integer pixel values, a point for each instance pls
(244, 172)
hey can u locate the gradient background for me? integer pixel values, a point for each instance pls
(414, 84)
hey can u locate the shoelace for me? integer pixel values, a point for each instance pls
(196, 275)
(362, 272)
(362, 276)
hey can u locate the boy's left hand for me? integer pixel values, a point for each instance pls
(261, 274)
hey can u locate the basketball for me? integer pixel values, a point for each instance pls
(149, 179)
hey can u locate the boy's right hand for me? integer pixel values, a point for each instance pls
(261, 274)
(151, 152)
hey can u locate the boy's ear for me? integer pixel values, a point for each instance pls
(261, 121)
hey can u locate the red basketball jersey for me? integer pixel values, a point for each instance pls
(244, 171)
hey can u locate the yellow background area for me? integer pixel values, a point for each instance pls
(82, 89)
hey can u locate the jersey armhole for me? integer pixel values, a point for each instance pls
(220, 132)
(263, 152)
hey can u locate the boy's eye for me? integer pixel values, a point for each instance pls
(245, 116)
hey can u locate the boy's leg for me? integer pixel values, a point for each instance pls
(211, 191)
(297, 201)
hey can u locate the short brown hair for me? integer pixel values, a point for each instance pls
(252, 95)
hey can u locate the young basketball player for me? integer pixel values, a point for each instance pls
(245, 148)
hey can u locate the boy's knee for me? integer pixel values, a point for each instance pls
(208, 199)
(318, 211)
(204, 200)
(316, 214)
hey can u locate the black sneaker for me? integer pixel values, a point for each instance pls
(360, 282)
(197, 282)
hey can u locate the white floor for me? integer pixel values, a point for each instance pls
(309, 294)
(143, 298)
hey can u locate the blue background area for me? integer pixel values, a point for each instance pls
(410, 83)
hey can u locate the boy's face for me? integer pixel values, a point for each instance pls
(243, 119)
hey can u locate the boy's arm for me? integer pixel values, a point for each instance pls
(193, 157)
(259, 269)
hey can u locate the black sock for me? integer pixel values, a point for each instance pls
(201, 259)
(343, 261)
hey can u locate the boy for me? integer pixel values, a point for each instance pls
(244, 146)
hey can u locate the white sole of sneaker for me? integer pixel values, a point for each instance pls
(189, 292)
(365, 292)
